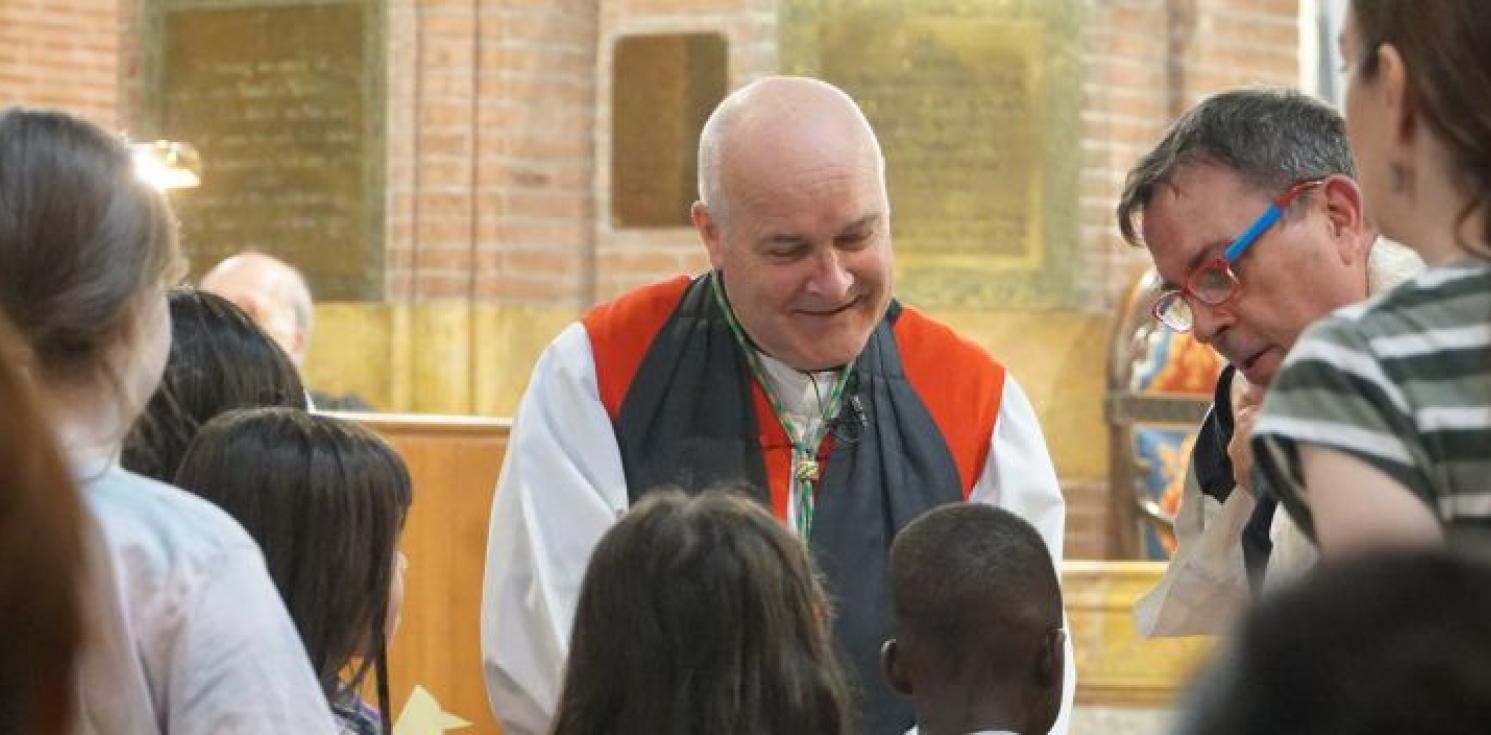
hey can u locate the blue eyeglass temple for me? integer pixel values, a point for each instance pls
(1241, 244)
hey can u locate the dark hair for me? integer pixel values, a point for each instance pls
(82, 238)
(1446, 49)
(1271, 138)
(40, 561)
(220, 360)
(326, 500)
(701, 615)
(1392, 643)
(967, 578)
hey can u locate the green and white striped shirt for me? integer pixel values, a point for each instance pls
(1401, 381)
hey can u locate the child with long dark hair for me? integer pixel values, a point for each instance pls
(220, 360)
(701, 615)
(326, 499)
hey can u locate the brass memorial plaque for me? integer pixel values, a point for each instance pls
(284, 102)
(663, 89)
(976, 107)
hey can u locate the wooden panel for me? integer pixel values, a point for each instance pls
(1117, 667)
(454, 462)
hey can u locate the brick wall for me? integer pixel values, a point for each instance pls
(61, 53)
(491, 115)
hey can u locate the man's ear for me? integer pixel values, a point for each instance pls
(1050, 667)
(894, 669)
(1341, 199)
(709, 233)
(297, 347)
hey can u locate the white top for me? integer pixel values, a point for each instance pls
(563, 486)
(186, 632)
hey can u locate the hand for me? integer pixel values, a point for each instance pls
(1247, 399)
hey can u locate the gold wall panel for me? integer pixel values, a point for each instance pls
(1058, 359)
(447, 358)
(452, 358)
(1115, 665)
(976, 106)
(663, 89)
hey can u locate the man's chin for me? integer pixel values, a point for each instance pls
(1261, 369)
(824, 355)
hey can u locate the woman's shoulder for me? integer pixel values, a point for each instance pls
(1443, 296)
(161, 529)
(1417, 318)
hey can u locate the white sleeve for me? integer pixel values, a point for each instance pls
(1018, 476)
(562, 486)
(237, 665)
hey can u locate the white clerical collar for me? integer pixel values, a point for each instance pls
(802, 394)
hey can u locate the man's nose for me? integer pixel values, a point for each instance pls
(830, 278)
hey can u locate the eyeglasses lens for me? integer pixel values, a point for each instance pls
(1213, 284)
(1173, 311)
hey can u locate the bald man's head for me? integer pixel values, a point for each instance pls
(272, 292)
(794, 214)
(772, 112)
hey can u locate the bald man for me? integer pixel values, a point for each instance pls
(787, 365)
(277, 298)
(273, 293)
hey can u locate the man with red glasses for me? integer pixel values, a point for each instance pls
(1249, 208)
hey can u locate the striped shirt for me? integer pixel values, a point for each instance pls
(1402, 382)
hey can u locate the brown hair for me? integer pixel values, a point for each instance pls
(40, 561)
(82, 238)
(1446, 49)
(699, 615)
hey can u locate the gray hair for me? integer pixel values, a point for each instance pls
(1271, 138)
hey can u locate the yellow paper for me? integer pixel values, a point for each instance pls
(423, 715)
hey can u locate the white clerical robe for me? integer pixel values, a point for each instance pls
(562, 486)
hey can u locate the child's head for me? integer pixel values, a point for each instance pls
(220, 360)
(86, 248)
(1389, 642)
(976, 610)
(700, 615)
(326, 500)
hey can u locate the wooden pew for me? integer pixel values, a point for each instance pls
(454, 462)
